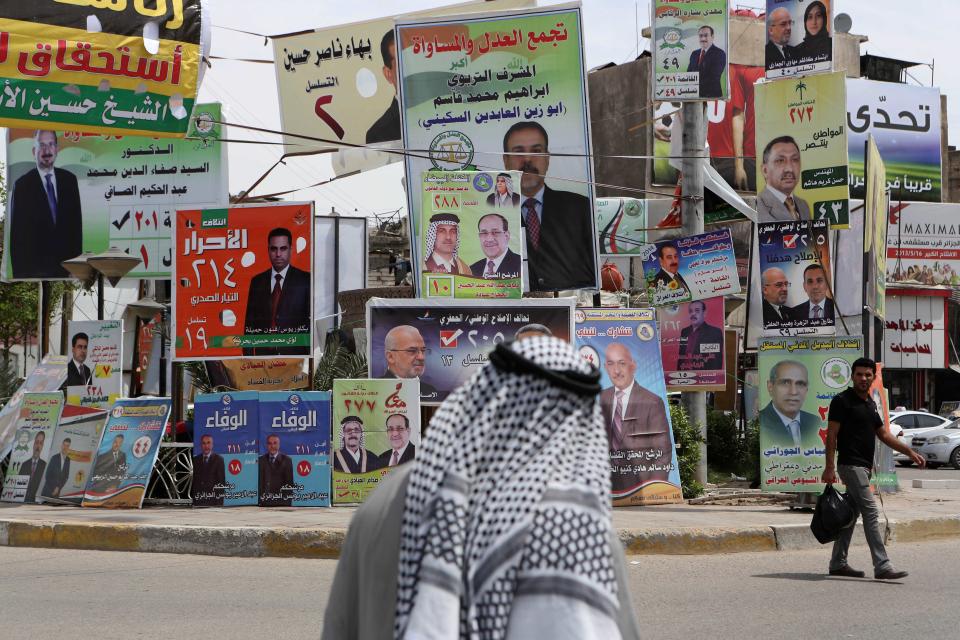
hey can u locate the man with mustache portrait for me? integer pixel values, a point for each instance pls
(781, 172)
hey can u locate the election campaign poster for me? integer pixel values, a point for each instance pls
(226, 432)
(904, 120)
(128, 449)
(444, 342)
(795, 276)
(480, 93)
(244, 282)
(109, 191)
(376, 426)
(691, 268)
(875, 214)
(36, 422)
(259, 374)
(71, 454)
(802, 150)
(95, 369)
(690, 47)
(923, 243)
(799, 377)
(623, 344)
(798, 37)
(294, 462)
(470, 238)
(731, 130)
(84, 65)
(692, 345)
(884, 469)
(49, 375)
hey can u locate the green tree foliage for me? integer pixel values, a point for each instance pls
(338, 362)
(688, 439)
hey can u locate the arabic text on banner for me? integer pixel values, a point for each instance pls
(72, 451)
(798, 37)
(690, 50)
(49, 375)
(691, 268)
(225, 448)
(95, 370)
(692, 345)
(27, 468)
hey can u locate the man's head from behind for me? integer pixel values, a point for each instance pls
(788, 387)
(775, 286)
(45, 148)
(405, 351)
(697, 312)
(38, 441)
(279, 243)
(522, 143)
(620, 366)
(78, 344)
(815, 283)
(351, 433)
(206, 445)
(669, 257)
(494, 235)
(273, 444)
(779, 26)
(781, 164)
(388, 51)
(705, 36)
(398, 431)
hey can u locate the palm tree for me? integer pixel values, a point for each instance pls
(800, 87)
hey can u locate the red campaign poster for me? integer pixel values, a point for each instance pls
(244, 283)
(692, 345)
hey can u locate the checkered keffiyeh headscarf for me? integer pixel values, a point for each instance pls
(432, 235)
(510, 498)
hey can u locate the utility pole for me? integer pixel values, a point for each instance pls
(693, 150)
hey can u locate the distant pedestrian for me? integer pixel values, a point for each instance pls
(854, 424)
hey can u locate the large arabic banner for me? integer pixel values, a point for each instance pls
(623, 344)
(470, 239)
(692, 345)
(226, 430)
(923, 244)
(690, 49)
(444, 342)
(798, 379)
(294, 462)
(796, 284)
(27, 468)
(95, 369)
(129, 446)
(905, 121)
(86, 65)
(259, 374)
(798, 37)
(46, 376)
(875, 223)
(802, 150)
(243, 278)
(109, 191)
(692, 268)
(73, 449)
(482, 93)
(376, 426)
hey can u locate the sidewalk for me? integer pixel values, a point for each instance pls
(915, 515)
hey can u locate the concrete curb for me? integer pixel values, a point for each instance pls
(259, 542)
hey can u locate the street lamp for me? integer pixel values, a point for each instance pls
(147, 308)
(112, 263)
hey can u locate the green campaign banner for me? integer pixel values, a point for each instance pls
(690, 45)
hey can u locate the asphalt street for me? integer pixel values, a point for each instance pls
(104, 595)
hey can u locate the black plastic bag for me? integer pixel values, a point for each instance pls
(833, 514)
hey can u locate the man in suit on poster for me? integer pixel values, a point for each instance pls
(775, 289)
(276, 472)
(636, 420)
(34, 467)
(781, 171)
(401, 449)
(779, 29)
(783, 422)
(818, 305)
(669, 274)
(46, 220)
(701, 343)
(78, 373)
(499, 260)
(709, 60)
(278, 301)
(208, 472)
(111, 467)
(387, 126)
(561, 245)
(58, 471)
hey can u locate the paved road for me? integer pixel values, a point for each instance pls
(105, 595)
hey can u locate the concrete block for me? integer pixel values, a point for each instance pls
(793, 537)
(926, 529)
(925, 483)
(245, 542)
(697, 541)
(4, 537)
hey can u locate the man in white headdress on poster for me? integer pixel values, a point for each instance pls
(443, 243)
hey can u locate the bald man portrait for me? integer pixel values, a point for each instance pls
(782, 421)
(775, 289)
(406, 355)
(636, 420)
(779, 29)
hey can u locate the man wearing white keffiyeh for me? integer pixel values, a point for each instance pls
(443, 245)
(509, 538)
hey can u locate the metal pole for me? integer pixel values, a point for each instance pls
(44, 318)
(163, 353)
(693, 150)
(100, 304)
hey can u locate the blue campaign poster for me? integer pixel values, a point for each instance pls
(294, 462)
(225, 446)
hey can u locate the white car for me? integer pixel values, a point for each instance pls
(940, 446)
(907, 424)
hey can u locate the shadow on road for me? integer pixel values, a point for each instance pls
(819, 577)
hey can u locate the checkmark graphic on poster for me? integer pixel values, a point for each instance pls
(448, 339)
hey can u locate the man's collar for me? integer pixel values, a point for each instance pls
(538, 196)
(784, 418)
(76, 364)
(441, 260)
(283, 272)
(780, 196)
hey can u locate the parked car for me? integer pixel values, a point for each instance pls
(912, 423)
(940, 446)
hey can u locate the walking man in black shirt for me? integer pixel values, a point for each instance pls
(853, 422)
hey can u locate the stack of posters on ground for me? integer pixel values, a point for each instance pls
(36, 422)
(501, 92)
(94, 373)
(225, 447)
(49, 375)
(377, 426)
(623, 343)
(798, 379)
(294, 462)
(692, 345)
(690, 49)
(243, 278)
(796, 294)
(692, 268)
(444, 342)
(804, 50)
(75, 443)
(128, 449)
(470, 239)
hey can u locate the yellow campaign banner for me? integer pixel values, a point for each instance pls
(875, 229)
